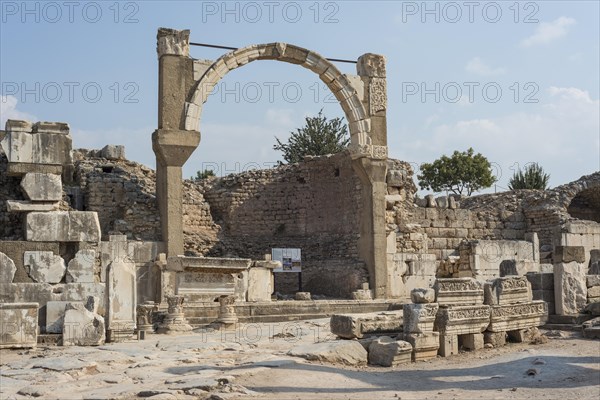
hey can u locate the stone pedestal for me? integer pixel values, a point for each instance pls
(419, 318)
(227, 316)
(425, 345)
(472, 341)
(144, 318)
(175, 321)
(496, 339)
(448, 345)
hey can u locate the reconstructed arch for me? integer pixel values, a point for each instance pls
(184, 86)
(345, 91)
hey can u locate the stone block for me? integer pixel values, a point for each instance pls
(42, 187)
(570, 288)
(15, 250)
(425, 345)
(81, 267)
(593, 292)
(592, 280)
(121, 292)
(389, 352)
(351, 326)
(422, 295)
(20, 169)
(567, 254)
(82, 327)
(7, 268)
(496, 339)
(458, 291)
(518, 336)
(18, 147)
(55, 312)
(18, 325)
(507, 290)
(260, 285)
(302, 296)
(27, 206)
(448, 345)
(541, 281)
(348, 352)
(511, 317)
(362, 294)
(51, 127)
(113, 152)
(63, 226)
(44, 266)
(52, 149)
(419, 318)
(15, 125)
(461, 320)
(471, 341)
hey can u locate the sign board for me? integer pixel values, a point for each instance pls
(291, 259)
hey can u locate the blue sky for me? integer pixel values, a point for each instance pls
(517, 81)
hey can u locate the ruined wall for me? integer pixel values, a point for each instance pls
(11, 224)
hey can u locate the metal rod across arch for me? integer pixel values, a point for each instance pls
(214, 46)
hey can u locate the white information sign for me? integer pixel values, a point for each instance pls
(291, 259)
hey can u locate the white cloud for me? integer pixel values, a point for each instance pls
(8, 110)
(280, 117)
(546, 32)
(477, 66)
(561, 134)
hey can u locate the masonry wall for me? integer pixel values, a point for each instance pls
(11, 224)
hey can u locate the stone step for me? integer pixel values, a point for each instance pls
(568, 319)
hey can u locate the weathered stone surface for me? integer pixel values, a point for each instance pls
(42, 187)
(458, 291)
(63, 226)
(593, 308)
(507, 290)
(27, 206)
(593, 292)
(357, 325)
(419, 318)
(21, 169)
(302, 296)
(591, 328)
(37, 148)
(567, 254)
(471, 341)
(362, 294)
(260, 281)
(592, 280)
(51, 127)
(55, 313)
(7, 268)
(517, 316)
(44, 266)
(18, 325)
(425, 345)
(448, 345)
(570, 288)
(496, 339)
(461, 320)
(81, 267)
(348, 352)
(389, 352)
(81, 327)
(16, 125)
(422, 295)
(113, 152)
(121, 294)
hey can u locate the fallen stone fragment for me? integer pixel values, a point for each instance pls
(389, 352)
(343, 352)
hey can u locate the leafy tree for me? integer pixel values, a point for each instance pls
(462, 172)
(200, 175)
(533, 177)
(318, 137)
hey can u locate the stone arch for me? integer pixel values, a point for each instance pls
(585, 204)
(346, 93)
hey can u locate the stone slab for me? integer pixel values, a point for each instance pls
(458, 291)
(28, 206)
(82, 267)
(42, 187)
(55, 312)
(7, 268)
(448, 345)
(388, 352)
(82, 327)
(121, 297)
(425, 345)
(15, 250)
(51, 127)
(570, 288)
(567, 254)
(471, 341)
(351, 326)
(348, 352)
(507, 290)
(419, 318)
(260, 283)
(20, 169)
(461, 320)
(17, 125)
(511, 317)
(592, 280)
(18, 325)
(63, 226)
(44, 266)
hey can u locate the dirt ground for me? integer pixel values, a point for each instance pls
(252, 362)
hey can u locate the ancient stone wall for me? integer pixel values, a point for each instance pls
(11, 224)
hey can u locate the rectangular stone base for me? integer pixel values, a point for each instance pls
(356, 326)
(18, 325)
(448, 345)
(472, 341)
(496, 339)
(425, 345)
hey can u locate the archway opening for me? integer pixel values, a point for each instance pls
(586, 205)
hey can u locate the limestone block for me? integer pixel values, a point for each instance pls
(442, 202)
(302, 296)
(507, 290)
(471, 341)
(349, 352)
(422, 295)
(7, 268)
(350, 326)
(570, 288)
(510, 317)
(55, 312)
(431, 203)
(48, 148)
(593, 292)
(567, 254)
(116, 249)
(425, 345)
(458, 291)
(113, 152)
(419, 318)
(592, 280)
(362, 294)
(121, 292)
(496, 339)
(18, 325)
(461, 320)
(18, 147)
(259, 284)
(51, 127)
(42, 187)
(15, 125)
(81, 267)
(389, 352)
(27, 206)
(372, 65)
(448, 345)
(82, 327)
(44, 266)
(20, 169)
(63, 226)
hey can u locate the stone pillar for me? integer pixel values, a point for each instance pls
(171, 143)
(371, 68)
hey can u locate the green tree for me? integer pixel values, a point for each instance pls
(533, 177)
(204, 174)
(318, 137)
(462, 172)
